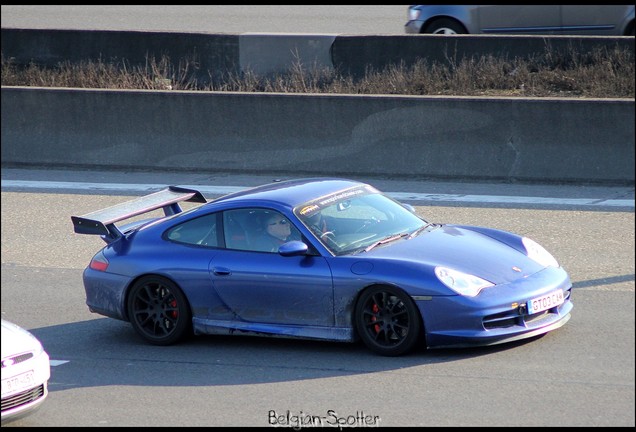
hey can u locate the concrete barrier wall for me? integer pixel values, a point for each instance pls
(354, 54)
(402, 136)
(441, 137)
(262, 53)
(216, 54)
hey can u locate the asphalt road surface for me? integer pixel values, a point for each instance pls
(103, 375)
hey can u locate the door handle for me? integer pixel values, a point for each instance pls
(221, 271)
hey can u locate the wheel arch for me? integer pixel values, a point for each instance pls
(442, 18)
(134, 281)
(381, 285)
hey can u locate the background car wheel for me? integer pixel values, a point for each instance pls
(388, 321)
(158, 310)
(445, 26)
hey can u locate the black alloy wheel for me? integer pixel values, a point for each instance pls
(158, 310)
(388, 321)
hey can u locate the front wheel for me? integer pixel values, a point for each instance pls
(158, 310)
(388, 321)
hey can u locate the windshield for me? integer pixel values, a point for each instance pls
(358, 219)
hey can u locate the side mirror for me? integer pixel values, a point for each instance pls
(293, 248)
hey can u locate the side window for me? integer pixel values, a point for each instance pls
(199, 231)
(235, 228)
(257, 229)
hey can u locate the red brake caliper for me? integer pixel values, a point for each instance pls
(375, 310)
(174, 314)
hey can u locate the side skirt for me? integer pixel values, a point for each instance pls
(337, 334)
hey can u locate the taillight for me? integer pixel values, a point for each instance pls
(99, 262)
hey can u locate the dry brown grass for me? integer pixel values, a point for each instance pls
(599, 74)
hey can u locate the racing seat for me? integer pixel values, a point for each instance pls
(235, 235)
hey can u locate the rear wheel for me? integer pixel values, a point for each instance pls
(388, 321)
(445, 26)
(158, 310)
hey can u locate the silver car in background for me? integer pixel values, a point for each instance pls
(25, 372)
(608, 20)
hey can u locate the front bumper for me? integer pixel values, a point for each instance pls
(498, 314)
(19, 403)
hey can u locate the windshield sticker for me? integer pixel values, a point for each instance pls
(340, 196)
(308, 209)
(316, 205)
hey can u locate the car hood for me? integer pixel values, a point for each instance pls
(16, 340)
(462, 249)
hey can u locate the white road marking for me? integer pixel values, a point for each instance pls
(402, 196)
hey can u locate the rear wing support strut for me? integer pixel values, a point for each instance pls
(102, 222)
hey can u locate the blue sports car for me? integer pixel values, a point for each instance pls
(320, 258)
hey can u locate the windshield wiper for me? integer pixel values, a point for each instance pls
(386, 240)
(419, 230)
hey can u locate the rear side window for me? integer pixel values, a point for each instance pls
(200, 231)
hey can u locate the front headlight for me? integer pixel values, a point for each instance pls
(538, 253)
(464, 284)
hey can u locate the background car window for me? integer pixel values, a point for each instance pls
(200, 231)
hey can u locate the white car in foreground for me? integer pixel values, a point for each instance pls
(25, 372)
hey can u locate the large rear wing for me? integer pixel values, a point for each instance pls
(102, 222)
